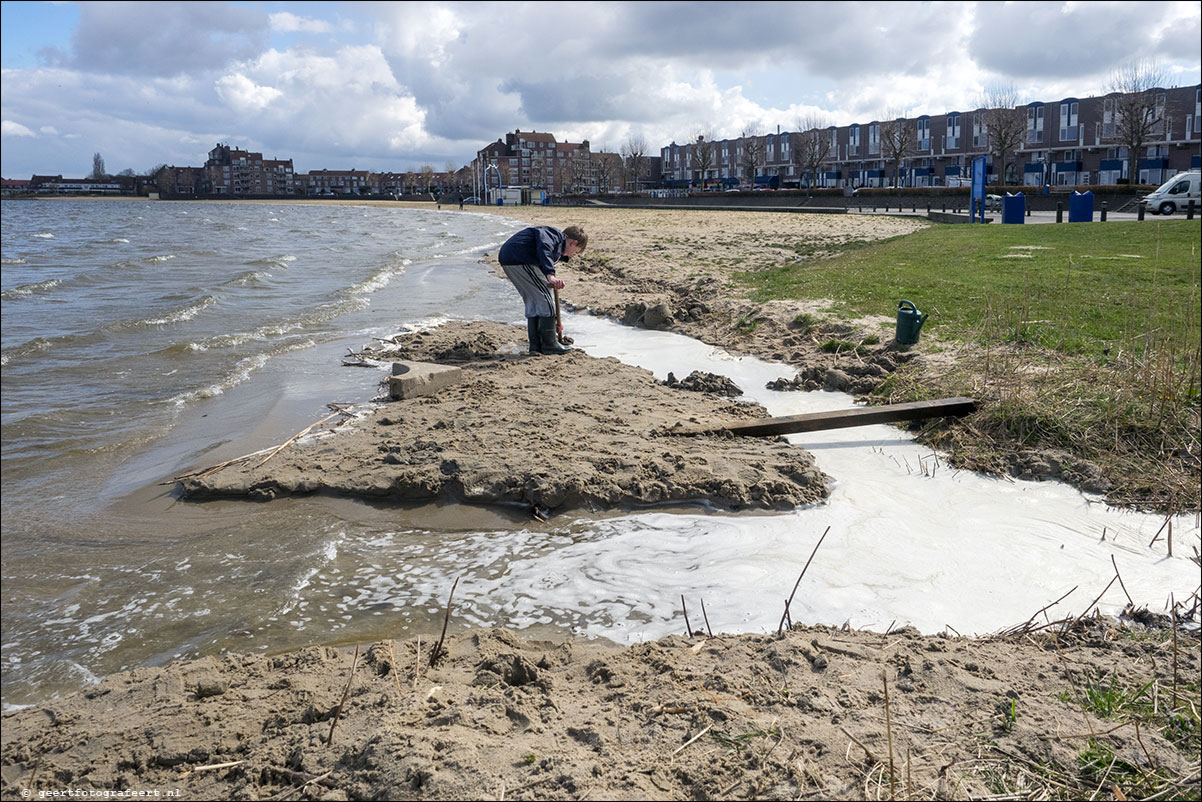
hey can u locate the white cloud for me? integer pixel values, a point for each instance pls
(434, 81)
(243, 94)
(10, 128)
(290, 23)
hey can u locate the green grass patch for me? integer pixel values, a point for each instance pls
(1072, 287)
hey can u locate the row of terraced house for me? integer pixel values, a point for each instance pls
(236, 172)
(1074, 141)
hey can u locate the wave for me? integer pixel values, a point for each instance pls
(280, 261)
(245, 279)
(242, 371)
(153, 259)
(17, 261)
(179, 315)
(26, 290)
(378, 280)
(116, 241)
(43, 235)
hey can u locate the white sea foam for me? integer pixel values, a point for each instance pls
(44, 235)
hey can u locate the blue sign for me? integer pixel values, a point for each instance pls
(978, 185)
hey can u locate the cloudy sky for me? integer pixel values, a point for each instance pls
(393, 86)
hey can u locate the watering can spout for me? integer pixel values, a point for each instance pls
(909, 323)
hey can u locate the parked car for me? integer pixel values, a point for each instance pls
(1176, 193)
(472, 199)
(993, 203)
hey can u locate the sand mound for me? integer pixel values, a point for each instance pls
(552, 432)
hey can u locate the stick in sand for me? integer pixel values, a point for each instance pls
(688, 630)
(446, 620)
(781, 627)
(341, 702)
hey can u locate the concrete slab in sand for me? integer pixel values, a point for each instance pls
(412, 379)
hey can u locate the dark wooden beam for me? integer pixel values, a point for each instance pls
(839, 419)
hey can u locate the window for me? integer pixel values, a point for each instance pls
(924, 134)
(1068, 120)
(1035, 124)
(953, 132)
(853, 145)
(874, 138)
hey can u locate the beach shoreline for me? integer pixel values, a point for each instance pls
(817, 712)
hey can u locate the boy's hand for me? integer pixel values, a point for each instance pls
(557, 283)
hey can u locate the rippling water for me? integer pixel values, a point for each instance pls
(141, 340)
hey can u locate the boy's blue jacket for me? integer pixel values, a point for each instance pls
(537, 245)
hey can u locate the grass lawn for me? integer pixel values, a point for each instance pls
(1080, 337)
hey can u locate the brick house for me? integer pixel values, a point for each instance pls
(336, 182)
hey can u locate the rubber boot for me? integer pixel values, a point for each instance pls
(548, 340)
(533, 336)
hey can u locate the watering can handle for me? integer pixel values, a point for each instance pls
(904, 304)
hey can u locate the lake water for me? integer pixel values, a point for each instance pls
(141, 340)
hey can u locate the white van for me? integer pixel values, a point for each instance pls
(1176, 193)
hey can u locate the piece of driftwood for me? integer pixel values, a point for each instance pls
(838, 419)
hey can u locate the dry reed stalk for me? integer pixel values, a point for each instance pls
(797, 584)
(706, 618)
(889, 734)
(299, 435)
(688, 630)
(692, 740)
(434, 655)
(345, 691)
(215, 468)
(1094, 602)
(1121, 585)
(871, 755)
(396, 674)
(1173, 613)
(417, 660)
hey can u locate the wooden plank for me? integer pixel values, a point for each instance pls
(839, 419)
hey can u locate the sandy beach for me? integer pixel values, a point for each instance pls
(809, 713)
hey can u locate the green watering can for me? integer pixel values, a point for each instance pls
(909, 322)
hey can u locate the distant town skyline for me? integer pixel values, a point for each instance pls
(392, 87)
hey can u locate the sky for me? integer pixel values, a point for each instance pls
(393, 86)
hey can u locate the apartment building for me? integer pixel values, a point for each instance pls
(231, 171)
(535, 160)
(1072, 141)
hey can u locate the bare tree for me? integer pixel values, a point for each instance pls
(751, 138)
(810, 147)
(1005, 124)
(898, 140)
(1138, 108)
(701, 154)
(98, 170)
(634, 154)
(427, 174)
(580, 170)
(605, 170)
